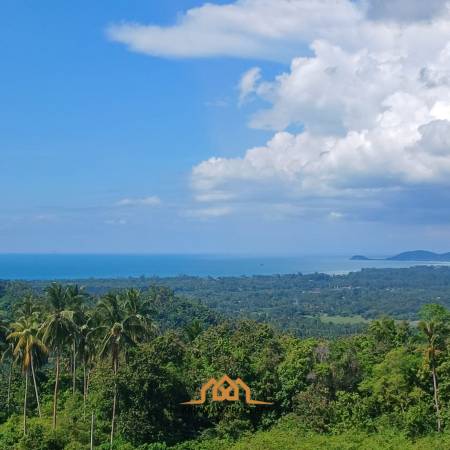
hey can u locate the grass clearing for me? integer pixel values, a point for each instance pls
(342, 320)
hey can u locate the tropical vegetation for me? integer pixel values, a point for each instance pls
(112, 371)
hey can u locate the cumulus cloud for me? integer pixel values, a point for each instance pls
(368, 84)
(375, 120)
(152, 200)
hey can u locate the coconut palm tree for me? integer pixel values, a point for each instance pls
(434, 326)
(58, 331)
(431, 331)
(115, 337)
(87, 351)
(75, 301)
(27, 347)
(29, 307)
(124, 323)
(139, 315)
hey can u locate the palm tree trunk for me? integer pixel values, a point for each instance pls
(35, 387)
(25, 404)
(84, 389)
(9, 386)
(74, 368)
(116, 363)
(436, 399)
(92, 431)
(55, 393)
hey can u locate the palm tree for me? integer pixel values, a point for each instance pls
(139, 315)
(116, 335)
(27, 347)
(384, 334)
(58, 331)
(29, 307)
(433, 325)
(124, 322)
(431, 330)
(87, 352)
(75, 299)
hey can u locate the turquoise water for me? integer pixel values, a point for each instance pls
(58, 266)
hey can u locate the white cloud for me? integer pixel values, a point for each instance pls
(212, 196)
(247, 84)
(144, 201)
(396, 153)
(269, 29)
(272, 29)
(375, 119)
(368, 86)
(208, 213)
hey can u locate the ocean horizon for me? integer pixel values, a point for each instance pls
(79, 266)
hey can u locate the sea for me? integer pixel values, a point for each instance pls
(83, 266)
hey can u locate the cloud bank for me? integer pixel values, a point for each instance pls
(270, 29)
(368, 84)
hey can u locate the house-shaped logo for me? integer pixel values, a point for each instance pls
(225, 389)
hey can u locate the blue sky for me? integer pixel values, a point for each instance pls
(107, 127)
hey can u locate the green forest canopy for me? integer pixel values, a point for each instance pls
(128, 358)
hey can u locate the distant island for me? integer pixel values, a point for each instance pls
(360, 258)
(414, 255)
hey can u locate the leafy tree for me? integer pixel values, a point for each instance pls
(294, 369)
(395, 390)
(154, 381)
